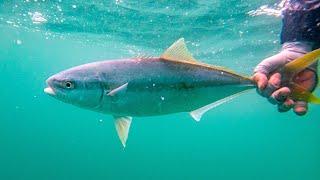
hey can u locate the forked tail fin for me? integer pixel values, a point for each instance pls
(296, 66)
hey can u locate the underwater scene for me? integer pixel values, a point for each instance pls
(244, 138)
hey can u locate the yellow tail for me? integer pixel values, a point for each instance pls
(296, 66)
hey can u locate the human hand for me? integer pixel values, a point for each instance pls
(271, 87)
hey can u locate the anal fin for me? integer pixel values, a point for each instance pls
(197, 114)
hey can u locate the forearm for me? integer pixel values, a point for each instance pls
(270, 64)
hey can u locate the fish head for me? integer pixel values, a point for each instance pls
(79, 86)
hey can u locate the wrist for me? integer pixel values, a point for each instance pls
(260, 69)
(298, 46)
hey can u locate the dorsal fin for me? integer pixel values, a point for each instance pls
(178, 52)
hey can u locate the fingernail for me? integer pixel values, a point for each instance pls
(301, 113)
(288, 103)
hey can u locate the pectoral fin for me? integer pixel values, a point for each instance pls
(119, 90)
(122, 124)
(197, 114)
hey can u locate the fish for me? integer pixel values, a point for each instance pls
(151, 86)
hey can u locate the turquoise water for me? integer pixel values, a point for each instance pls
(42, 138)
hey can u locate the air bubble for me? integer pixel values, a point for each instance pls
(37, 18)
(19, 42)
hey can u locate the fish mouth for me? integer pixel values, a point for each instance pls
(49, 91)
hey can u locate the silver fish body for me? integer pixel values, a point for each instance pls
(153, 86)
(174, 82)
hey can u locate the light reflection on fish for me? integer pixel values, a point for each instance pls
(174, 82)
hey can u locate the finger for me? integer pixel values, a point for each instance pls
(273, 84)
(266, 92)
(307, 79)
(275, 80)
(286, 106)
(304, 75)
(300, 108)
(279, 96)
(261, 80)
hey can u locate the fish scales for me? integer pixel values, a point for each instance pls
(156, 86)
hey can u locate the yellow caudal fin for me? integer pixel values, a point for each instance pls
(303, 62)
(302, 94)
(296, 66)
(313, 99)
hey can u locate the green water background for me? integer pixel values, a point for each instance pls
(44, 139)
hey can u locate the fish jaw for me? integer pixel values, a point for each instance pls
(48, 90)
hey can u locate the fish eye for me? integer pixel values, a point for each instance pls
(68, 84)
